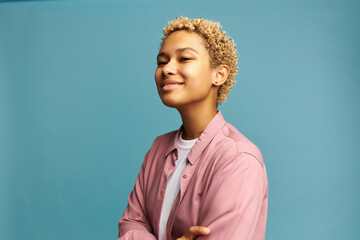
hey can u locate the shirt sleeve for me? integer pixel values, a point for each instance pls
(234, 199)
(134, 224)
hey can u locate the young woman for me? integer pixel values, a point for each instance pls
(206, 179)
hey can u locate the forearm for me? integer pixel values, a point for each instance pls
(137, 235)
(235, 202)
(134, 223)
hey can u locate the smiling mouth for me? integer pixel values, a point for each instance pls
(170, 86)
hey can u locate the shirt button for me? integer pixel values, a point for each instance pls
(184, 176)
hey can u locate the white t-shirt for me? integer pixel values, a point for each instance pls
(173, 184)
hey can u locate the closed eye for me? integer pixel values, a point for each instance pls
(184, 59)
(161, 63)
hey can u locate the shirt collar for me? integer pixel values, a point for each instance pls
(206, 136)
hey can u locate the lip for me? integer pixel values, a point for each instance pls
(169, 84)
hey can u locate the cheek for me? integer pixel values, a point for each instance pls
(192, 72)
(198, 75)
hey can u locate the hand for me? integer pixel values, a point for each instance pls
(194, 231)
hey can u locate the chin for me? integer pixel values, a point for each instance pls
(171, 101)
(171, 104)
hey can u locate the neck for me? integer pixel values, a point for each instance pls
(195, 119)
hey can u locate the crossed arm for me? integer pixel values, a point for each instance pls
(230, 209)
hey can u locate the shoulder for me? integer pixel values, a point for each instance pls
(234, 145)
(166, 137)
(158, 150)
(163, 141)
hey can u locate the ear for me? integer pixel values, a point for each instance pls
(221, 74)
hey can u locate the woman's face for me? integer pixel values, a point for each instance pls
(185, 62)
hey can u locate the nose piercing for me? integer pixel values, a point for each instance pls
(165, 77)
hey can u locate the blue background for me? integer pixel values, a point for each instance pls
(79, 109)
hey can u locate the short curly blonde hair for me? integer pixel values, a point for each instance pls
(222, 49)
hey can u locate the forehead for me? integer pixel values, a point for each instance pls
(183, 39)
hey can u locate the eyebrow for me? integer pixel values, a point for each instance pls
(178, 50)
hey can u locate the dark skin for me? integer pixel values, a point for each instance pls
(186, 81)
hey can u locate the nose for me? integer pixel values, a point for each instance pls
(168, 69)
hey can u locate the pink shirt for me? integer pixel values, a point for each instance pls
(223, 187)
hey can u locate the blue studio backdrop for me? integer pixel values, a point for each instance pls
(79, 109)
